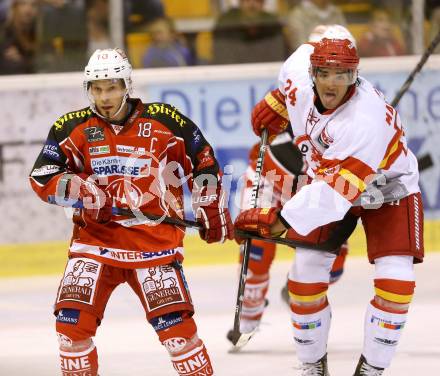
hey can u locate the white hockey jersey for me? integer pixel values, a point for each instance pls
(356, 154)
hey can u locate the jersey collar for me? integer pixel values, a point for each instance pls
(350, 92)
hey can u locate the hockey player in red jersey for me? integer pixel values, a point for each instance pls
(283, 166)
(122, 153)
(359, 164)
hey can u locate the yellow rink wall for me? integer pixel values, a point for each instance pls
(20, 260)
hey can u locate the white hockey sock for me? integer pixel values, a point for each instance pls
(310, 333)
(382, 334)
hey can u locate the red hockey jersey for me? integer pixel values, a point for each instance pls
(144, 166)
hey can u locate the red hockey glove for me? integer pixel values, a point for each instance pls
(270, 113)
(97, 204)
(210, 213)
(257, 220)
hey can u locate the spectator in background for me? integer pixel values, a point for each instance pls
(18, 42)
(4, 9)
(302, 19)
(381, 38)
(167, 48)
(62, 36)
(139, 13)
(398, 10)
(98, 28)
(435, 26)
(248, 34)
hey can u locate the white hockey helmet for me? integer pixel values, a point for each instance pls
(108, 64)
(331, 32)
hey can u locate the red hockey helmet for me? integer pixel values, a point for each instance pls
(335, 53)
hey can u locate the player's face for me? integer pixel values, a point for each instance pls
(251, 7)
(332, 85)
(108, 96)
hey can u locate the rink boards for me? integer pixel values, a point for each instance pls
(50, 257)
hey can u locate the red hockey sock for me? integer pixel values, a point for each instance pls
(192, 361)
(83, 363)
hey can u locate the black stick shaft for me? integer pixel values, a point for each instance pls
(292, 243)
(428, 52)
(247, 244)
(136, 213)
(133, 213)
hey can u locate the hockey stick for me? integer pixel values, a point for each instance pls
(240, 339)
(425, 161)
(324, 246)
(339, 234)
(132, 213)
(428, 52)
(331, 247)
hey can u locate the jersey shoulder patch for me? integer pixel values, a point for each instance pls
(166, 114)
(67, 122)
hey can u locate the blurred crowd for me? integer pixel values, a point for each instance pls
(59, 35)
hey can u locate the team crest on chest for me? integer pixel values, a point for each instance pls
(324, 139)
(94, 134)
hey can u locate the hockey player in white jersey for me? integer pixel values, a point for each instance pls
(358, 163)
(283, 167)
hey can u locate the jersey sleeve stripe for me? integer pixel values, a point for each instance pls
(394, 149)
(352, 164)
(277, 104)
(353, 171)
(353, 179)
